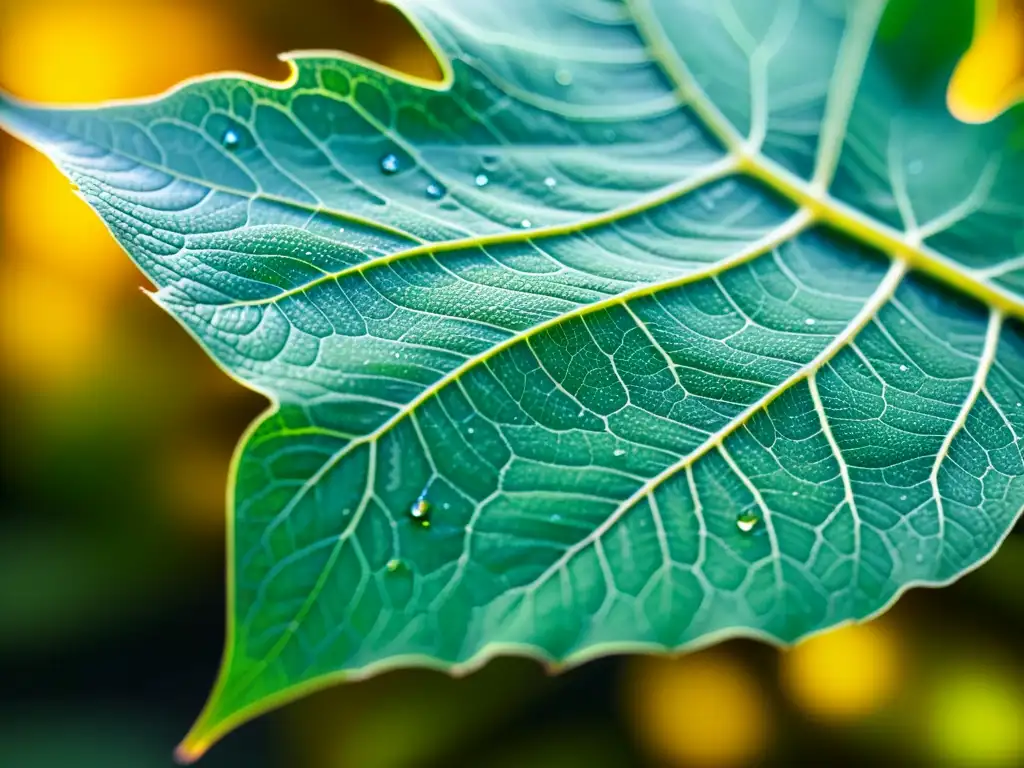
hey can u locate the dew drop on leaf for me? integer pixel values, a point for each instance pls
(481, 180)
(435, 191)
(747, 523)
(389, 164)
(618, 452)
(394, 565)
(420, 511)
(526, 223)
(809, 321)
(563, 77)
(230, 139)
(903, 368)
(550, 182)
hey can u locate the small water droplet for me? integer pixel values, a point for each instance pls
(796, 493)
(556, 518)
(1018, 405)
(618, 452)
(747, 523)
(526, 223)
(469, 431)
(919, 558)
(903, 368)
(550, 182)
(914, 167)
(394, 565)
(309, 253)
(389, 164)
(230, 139)
(810, 321)
(903, 497)
(563, 77)
(435, 191)
(341, 229)
(481, 180)
(420, 510)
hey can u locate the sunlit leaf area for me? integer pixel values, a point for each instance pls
(118, 433)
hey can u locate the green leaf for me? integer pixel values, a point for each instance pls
(656, 322)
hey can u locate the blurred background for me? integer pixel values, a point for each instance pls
(117, 433)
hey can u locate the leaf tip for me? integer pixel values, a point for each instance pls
(189, 751)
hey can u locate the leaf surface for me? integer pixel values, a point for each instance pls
(656, 322)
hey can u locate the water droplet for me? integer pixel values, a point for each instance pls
(914, 167)
(470, 431)
(810, 321)
(550, 182)
(618, 452)
(394, 565)
(389, 164)
(556, 518)
(746, 523)
(435, 191)
(481, 180)
(919, 558)
(903, 497)
(230, 139)
(796, 493)
(610, 135)
(563, 77)
(903, 368)
(420, 510)
(309, 253)
(1018, 405)
(341, 229)
(526, 223)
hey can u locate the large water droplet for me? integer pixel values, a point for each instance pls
(563, 77)
(230, 139)
(389, 164)
(481, 180)
(747, 523)
(435, 190)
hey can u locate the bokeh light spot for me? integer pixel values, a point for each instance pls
(975, 717)
(705, 709)
(844, 674)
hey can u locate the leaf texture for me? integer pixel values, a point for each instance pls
(656, 322)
